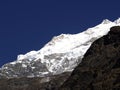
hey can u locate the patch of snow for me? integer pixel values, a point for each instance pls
(23, 65)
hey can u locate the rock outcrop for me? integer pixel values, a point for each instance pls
(100, 67)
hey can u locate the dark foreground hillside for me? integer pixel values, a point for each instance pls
(100, 68)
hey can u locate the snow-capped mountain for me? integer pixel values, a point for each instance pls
(62, 54)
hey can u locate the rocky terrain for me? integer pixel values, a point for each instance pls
(100, 67)
(36, 83)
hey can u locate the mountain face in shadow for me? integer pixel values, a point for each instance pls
(100, 67)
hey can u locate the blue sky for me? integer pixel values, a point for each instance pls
(27, 25)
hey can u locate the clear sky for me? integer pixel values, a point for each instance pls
(27, 25)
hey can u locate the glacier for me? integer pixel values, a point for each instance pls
(62, 54)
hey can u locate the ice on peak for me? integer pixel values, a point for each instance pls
(56, 39)
(62, 36)
(30, 54)
(59, 37)
(20, 57)
(106, 21)
(117, 21)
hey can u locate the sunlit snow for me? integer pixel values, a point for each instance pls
(62, 52)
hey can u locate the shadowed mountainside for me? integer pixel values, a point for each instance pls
(100, 67)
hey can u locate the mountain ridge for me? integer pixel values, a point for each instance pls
(57, 56)
(99, 70)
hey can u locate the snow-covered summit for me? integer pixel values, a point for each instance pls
(106, 21)
(61, 54)
(117, 21)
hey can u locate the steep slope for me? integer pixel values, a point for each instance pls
(100, 67)
(57, 56)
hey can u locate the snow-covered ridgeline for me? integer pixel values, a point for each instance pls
(61, 54)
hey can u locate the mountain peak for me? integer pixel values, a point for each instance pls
(57, 39)
(106, 21)
(62, 54)
(117, 21)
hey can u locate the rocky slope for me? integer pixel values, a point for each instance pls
(62, 54)
(100, 67)
(36, 83)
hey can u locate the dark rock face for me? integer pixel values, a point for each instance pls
(100, 67)
(38, 83)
